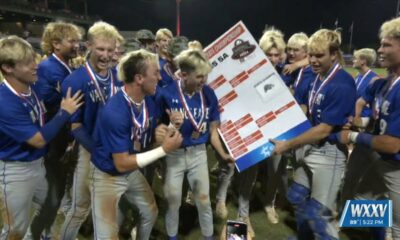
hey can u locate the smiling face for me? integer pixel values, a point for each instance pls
(296, 53)
(162, 44)
(321, 61)
(17, 61)
(67, 48)
(389, 53)
(194, 81)
(101, 53)
(23, 71)
(150, 78)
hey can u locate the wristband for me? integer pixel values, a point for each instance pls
(144, 159)
(353, 137)
(365, 139)
(51, 129)
(83, 138)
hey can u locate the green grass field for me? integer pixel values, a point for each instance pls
(380, 71)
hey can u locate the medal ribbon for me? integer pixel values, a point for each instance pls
(62, 63)
(94, 79)
(362, 79)
(299, 77)
(140, 126)
(186, 107)
(38, 114)
(314, 94)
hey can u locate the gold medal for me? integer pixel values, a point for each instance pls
(137, 146)
(195, 135)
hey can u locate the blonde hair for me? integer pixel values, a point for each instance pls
(272, 38)
(196, 45)
(57, 31)
(367, 54)
(298, 40)
(103, 30)
(133, 63)
(14, 50)
(192, 60)
(390, 28)
(120, 39)
(163, 32)
(326, 39)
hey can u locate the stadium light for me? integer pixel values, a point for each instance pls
(178, 17)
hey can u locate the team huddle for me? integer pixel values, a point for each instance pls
(89, 134)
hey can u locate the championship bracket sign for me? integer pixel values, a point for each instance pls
(254, 102)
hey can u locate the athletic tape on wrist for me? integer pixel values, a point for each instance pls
(353, 136)
(144, 159)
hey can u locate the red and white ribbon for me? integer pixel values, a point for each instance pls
(196, 125)
(39, 111)
(144, 124)
(313, 93)
(95, 81)
(62, 63)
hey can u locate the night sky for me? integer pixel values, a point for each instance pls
(206, 20)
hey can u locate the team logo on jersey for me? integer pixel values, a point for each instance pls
(33, 116)
(94, 96)
(385, 107)
(319, 99)
(367, 213)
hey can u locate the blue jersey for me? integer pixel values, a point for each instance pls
(287, 78)
(51, 73)
(302, 85)
(362, 81)
(166, 72)
(386, 100)
(116, 132)
(332, 101)
(20, 119)
(81, 80)
(171, 99)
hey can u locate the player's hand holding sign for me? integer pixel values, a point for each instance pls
(280, 146)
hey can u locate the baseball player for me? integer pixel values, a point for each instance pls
(363, 61)
(119, 51)
(122, 132)
(24, 135)
(167, 65)
(385, 139)
(273, 45)
(303, 78)
(147, 40)
(361, 158)
(194, 111)
(331, 101)
(163, 38)
(60, 41)
(98, 82)
(167, 72)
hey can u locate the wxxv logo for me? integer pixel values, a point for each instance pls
(367, 213)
